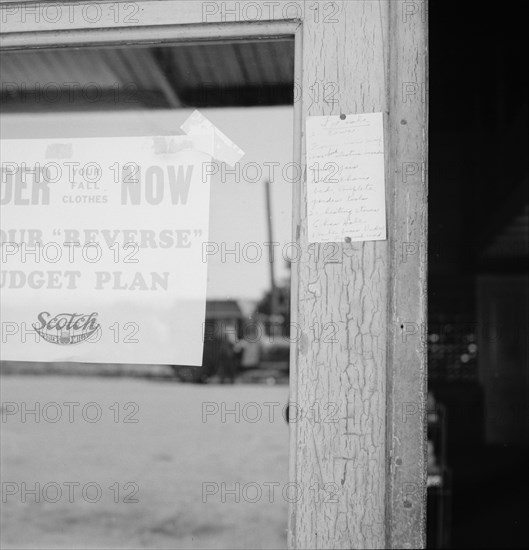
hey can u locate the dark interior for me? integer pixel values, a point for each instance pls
(478, 252)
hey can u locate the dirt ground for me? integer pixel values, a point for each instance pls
(166, 457)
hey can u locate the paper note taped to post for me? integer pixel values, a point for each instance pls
(346, 178)
(102, 248)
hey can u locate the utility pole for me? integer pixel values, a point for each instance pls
(273, 288)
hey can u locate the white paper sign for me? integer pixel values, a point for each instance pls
(345, 178)
(102, 249)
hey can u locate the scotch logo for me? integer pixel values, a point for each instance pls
(66, 328)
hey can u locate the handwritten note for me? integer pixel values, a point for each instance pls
(345, 178)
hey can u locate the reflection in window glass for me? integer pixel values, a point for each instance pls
(164, 456)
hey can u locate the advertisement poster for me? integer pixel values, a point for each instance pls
(102, 248)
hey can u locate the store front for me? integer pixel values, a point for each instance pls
(84, 81)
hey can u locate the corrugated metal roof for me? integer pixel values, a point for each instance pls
(213, 74)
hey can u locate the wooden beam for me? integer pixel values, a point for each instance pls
(165, 33)
(362, 474)
(341, 312)
(407, 312)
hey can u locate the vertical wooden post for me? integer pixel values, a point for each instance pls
(358, 467)
(407, 319)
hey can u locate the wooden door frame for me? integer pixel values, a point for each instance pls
(372, 294)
